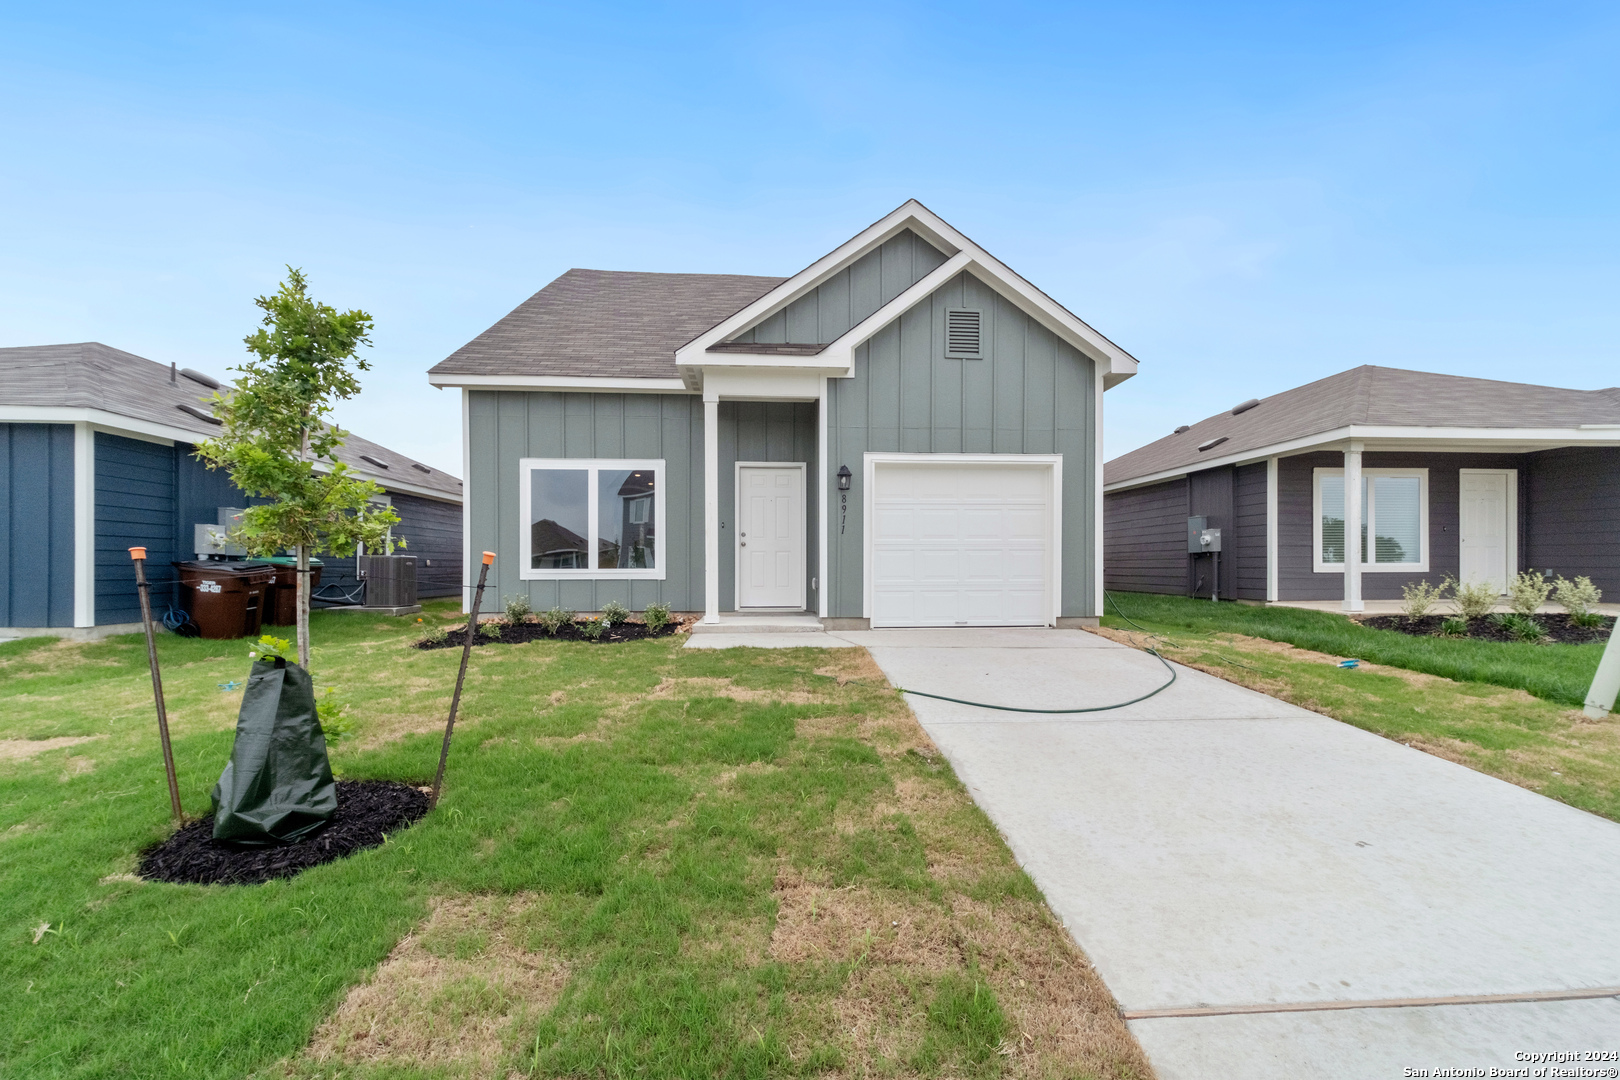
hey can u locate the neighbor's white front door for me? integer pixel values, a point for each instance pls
(1484, 526)
(770, 536)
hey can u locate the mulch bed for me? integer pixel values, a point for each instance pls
(1560, 630)
(366, 810)
(518, 633)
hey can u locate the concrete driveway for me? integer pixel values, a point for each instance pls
(1270, 893)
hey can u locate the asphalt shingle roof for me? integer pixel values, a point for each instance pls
(605, 322)
(90, 375)
(1376, 397)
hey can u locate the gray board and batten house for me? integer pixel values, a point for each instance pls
(1472, 478)
(96, 457)
(904, 433)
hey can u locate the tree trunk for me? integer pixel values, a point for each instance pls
(303, 606)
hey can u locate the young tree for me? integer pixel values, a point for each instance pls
(276, 441)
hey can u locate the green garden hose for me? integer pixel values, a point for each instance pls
(1094, 708)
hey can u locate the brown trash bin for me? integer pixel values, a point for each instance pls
(225, 599)
(281, 595)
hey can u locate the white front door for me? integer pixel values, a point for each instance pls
(962, 544)
(1484, 528)
(770, 536)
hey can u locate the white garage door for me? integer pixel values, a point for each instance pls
(961, 545)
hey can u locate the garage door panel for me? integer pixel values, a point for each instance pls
(956, 544)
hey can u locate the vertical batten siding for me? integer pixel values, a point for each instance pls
(135, 507)
(1031, 394)
(1296, 578)
(1145, 538)
(507, 426)
(431, 529)
(1571, 514)
(1248, 546)
(827, 311)
(773, 431)
(36, 525)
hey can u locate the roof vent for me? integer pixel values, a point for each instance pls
(197, 376)
(200, 413)
(419, 467)
(963, 333)
(369, 460)
(1246, 406)
(1211, 444)
(1180, 429)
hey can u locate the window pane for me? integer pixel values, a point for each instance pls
(1399, 526)
(559, 519)
(625, 525)
(1333, 519)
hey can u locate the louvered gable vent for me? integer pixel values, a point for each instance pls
(964, 333)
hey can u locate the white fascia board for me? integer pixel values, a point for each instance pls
(913, 215)
(767, 384)
(111, 423)
(1388, 439)
(601, 383)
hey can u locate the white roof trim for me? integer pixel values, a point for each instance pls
(1547, 438)
(1115, 362)
(616, 383)
(146, 430)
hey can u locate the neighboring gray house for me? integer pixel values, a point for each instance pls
(1467, 477)
(906, 433)
(96, 457)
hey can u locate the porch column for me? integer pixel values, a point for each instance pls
(1352, 528)
(711, 510)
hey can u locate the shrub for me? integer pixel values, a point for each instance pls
(1472, 600)
(1521, 627)
(435, 635)
(333, 714)
(556, 619)
(656, 617)
(1454, 627)
(518, 608)
(1578, 597)
(1416, 600)
(1527, 592)
(271, 648)
(591, 629)
(614, 612)
(491, 630)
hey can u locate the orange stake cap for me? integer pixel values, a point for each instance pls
(489, 557)
(137, 553)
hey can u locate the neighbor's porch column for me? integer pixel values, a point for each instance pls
(711, 509)
(1352, 528)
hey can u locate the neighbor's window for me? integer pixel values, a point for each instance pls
(1394, 513)
(592, 518)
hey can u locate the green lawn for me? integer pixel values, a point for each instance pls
(1412, 694)
(1560, 673)
(647, 861)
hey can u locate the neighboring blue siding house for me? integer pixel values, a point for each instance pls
(96, 457)
(905, 433)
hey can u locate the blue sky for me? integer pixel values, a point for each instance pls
(1246, 197)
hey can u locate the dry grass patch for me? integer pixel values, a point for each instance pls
(712, 687)
(23, 749)
(448, 994)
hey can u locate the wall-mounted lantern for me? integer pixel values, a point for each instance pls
(843, 477)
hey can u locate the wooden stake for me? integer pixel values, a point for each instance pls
(455, 699)
(138, 556)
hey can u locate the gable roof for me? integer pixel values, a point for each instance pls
(90, 375)
(605, 323)
(1374, 397)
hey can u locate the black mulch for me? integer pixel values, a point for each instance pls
(1560, 630)
(518, 633)
(366, 810)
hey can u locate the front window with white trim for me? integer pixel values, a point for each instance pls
(1394, 514)
(591, 518)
